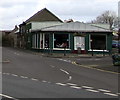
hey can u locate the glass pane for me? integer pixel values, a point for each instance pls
(61, 40)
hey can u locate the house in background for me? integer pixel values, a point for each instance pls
(5, 37)
(9, 37)
(41, 19)
(13, 36)
(45, 32)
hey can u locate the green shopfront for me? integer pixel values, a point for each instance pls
(57, 41)
(51, 41)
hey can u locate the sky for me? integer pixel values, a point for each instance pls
(14, 12)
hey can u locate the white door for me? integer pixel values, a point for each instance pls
(79, 42)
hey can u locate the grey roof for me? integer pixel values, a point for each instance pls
(76, 26)
(105, 26)
(40, 25)
(43, 15)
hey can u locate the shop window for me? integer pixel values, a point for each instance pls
(61, 40)
(33, 41)
(46, 40)
(98, 42)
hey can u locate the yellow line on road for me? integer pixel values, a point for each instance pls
(95, 68)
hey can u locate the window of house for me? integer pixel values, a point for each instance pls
(33, 41)
(61, 40)
(46, 41)
(98, 42)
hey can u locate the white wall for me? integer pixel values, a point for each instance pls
(39, 25)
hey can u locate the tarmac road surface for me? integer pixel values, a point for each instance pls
(26, 75)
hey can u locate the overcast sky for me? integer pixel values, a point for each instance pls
(14, 12)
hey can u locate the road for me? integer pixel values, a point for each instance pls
(26, 75)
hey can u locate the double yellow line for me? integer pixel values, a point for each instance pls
(95, 68)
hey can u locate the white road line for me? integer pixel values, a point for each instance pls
(71, 84)
(6, 96)
(92, 90)
(87, 87)
(34, 79)
(111, 94)
(70, 78)
(64, 71)
(23, 77)
(65, 60)
(61, 84)
(102, 90)
(6, 61)
(6, 73)
(76, 87)
(44, 81)
(14, 75)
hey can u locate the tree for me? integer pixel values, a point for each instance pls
(107, 17)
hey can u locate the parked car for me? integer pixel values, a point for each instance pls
(115, 44)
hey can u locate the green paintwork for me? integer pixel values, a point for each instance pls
(28, 26)
(71, 42)
(87, 40)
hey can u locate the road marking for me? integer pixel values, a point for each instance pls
(71, 84)
(73, 62)
(107, 92)
(61, 84)
(6, 96)
(92, 90)
(87, 87)
(111, 94)
(64, 71)
(6, 73)
(102, 90)
(76, 87)
(44, 81)
(34, 79)
(69, 61)
(70, 78)
(14, 75)
(23, 77)
(6, 61)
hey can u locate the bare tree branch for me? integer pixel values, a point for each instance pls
(107, 17)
